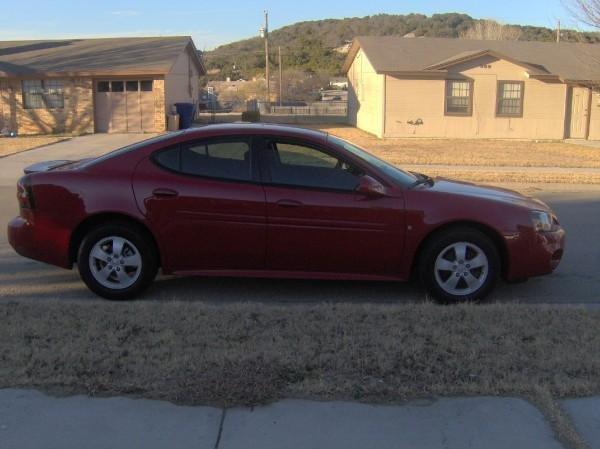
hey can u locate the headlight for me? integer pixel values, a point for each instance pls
(542, 221)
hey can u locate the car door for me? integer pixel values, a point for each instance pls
(205, 204)
(317, 222)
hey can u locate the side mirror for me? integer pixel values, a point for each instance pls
(370, 187)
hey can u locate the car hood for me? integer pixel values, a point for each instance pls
(467, 189)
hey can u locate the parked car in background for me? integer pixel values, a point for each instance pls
(275, 201)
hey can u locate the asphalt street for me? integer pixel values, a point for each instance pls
(576, 281)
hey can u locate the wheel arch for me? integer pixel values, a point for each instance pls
(487, 230)
(104, 218)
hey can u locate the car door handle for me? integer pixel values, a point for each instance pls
(164, 193)
(289, 203)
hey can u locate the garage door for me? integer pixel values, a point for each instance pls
(124, 106)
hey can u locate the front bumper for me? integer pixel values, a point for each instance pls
(536, 254)
(39, 242)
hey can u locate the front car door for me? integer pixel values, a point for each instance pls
(204, 202)
(317, 222)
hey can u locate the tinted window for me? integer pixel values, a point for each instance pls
(132, 86)
(304, 166)
(401, 177)
(129, 148)
(290, 154)
(227, 160)
(168, 158)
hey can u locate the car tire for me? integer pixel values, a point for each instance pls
(459, 265)
(117, 261)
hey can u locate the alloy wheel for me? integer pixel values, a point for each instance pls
(461, 268)
(115, 262)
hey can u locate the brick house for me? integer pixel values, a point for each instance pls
(459, 88)
(95, 85)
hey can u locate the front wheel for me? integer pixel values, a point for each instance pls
(116, 261)
(459, 265)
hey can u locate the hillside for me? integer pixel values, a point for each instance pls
(312, 45)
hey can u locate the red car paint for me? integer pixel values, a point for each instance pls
(216, 227)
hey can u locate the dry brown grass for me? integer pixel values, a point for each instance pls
(13, 145)
(491, 176)
(482, 152)
(197, 353)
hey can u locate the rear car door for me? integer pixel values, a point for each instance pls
(205, 204)
(317, 222)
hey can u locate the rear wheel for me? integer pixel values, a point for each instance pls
(116, 261)
(458, 265)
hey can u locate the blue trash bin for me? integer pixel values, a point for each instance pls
(186, 114)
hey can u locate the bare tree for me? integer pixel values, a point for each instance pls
(494, 31)
(586, 11)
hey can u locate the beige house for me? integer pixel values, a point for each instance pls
(95, 85)
(431, 87)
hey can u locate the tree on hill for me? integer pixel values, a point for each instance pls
(492, 31)
(309, 46)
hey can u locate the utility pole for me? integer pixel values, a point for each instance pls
(280, 80)
(265, 34)
(558, 32)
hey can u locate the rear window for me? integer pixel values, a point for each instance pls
(131, 147)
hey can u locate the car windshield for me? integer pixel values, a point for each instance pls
(403, 178)
(132, 147)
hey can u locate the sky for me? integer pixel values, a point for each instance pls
(222, 22)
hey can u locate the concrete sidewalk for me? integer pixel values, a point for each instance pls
(29, 419)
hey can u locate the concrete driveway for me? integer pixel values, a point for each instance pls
(577, 280)
(11, 167)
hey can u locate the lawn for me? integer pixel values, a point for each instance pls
(252, 353)
(12, 145)
(231, 354)
(491, 153)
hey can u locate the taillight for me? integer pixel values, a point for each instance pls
(25, 193)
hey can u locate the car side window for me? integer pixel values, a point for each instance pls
(290, 154)
(221, 159)
(304, 166)
(227, 160)
(168, 158)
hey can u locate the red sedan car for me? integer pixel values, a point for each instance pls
(275, 201)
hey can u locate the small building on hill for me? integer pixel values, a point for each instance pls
(95, 85)
(458, 88)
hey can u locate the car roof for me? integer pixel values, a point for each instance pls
(255, 129)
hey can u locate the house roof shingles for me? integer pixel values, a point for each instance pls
(387, 54)
(80, 57)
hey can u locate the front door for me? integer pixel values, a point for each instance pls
(205, 205)
(579, 113)
(316, 220)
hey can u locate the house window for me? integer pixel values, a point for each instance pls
(103, 86)
(43, 94)
(459, 97)
(510, 99)
(146, 85)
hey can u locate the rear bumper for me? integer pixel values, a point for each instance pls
(537, 254)
(42, 243)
